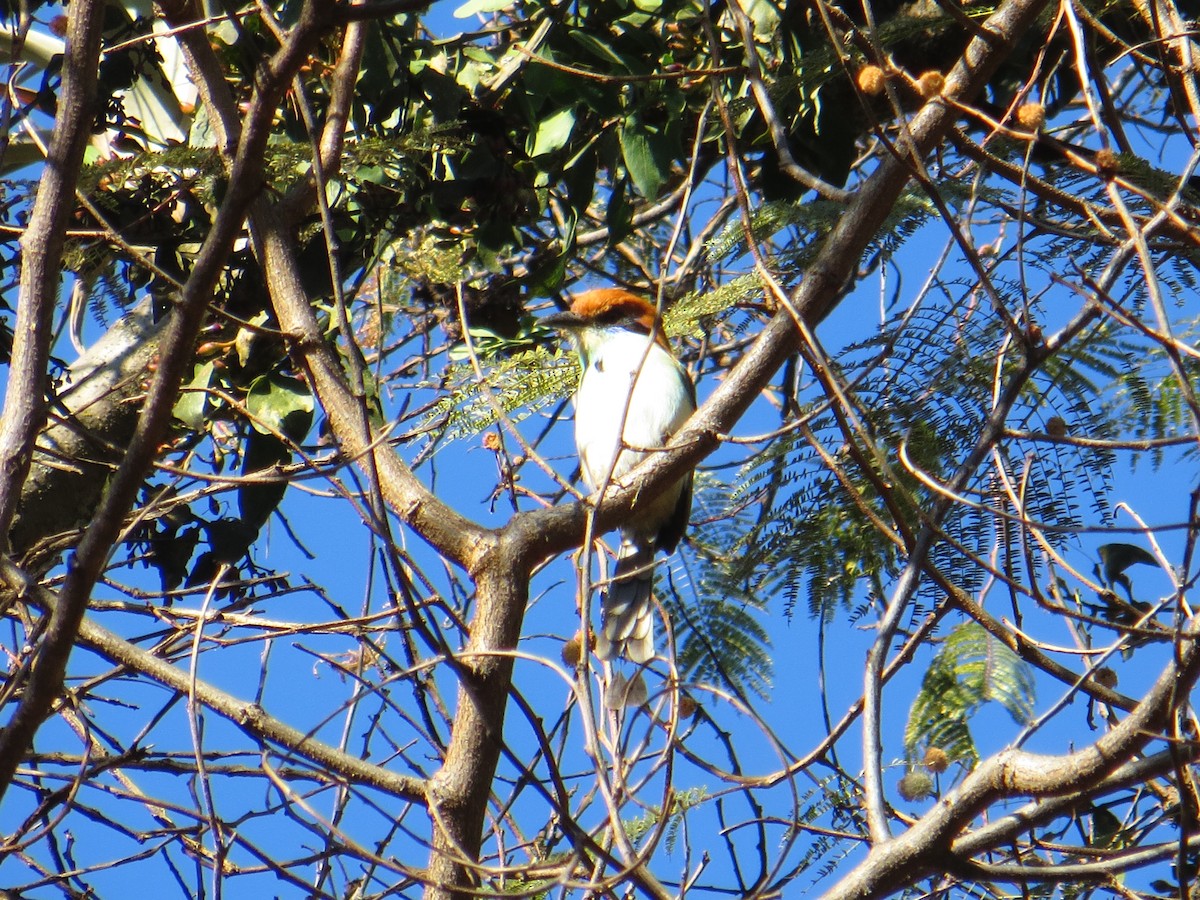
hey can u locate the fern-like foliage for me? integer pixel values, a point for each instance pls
(515, 386)
(686, 315)
(719, 630)
(1150, 401)
(681, 802)
(923, 384)
(970, 669)
(834, 801)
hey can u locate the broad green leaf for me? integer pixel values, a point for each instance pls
(607, 52)
(765, 17)
(257, 500)
(548, 276)
(552, 132)
(193, 399)
(1106, 828)
(619, 214)
(281, 404)
(477, 7)
(579, 176)
(641, 159)
(244, 341)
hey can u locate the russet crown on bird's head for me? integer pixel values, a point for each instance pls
(609, 306)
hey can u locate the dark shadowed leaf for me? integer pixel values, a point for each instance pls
(1119, 557)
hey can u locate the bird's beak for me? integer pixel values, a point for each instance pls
(563, 321)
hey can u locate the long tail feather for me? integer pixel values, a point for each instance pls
(627, 615)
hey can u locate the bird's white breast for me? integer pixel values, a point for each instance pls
(660, 403)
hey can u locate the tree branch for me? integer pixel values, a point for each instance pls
(896, 863)
(1003, 831)
(41, 253)
(551, 531)
(250, 717)
(94, 415)
(45, 682)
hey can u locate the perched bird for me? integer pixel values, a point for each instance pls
(633, 380)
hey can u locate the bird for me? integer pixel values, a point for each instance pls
(633, 395)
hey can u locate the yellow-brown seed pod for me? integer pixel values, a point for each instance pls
(1056, 427)
(915, 786)
(931, 83)
(1108, 163)
(1031, 116)
(936, 760)
(871, 80)
(572, 651)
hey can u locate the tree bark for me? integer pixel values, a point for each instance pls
(24, 413)
(458, 793)
(91, 555)
(93, 418)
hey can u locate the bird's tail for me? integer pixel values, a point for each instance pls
(626, 614)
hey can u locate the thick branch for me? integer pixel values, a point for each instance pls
(1103, 869)
(1003, 831)
(459, 792)
(206, 73)
(271, 227)
(534, 536)
(41, 257)
(1012, 773)
(555, 530)
(45, 682)
(451, 534)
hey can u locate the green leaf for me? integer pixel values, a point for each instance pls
(552, 132)
(193, 399)
(282, 404)
(579, 178)
(604, 51)
(640, 148)
(619, 214)
(257, 500)
(970, 669)
(548, 277)
(1119, 557)
(277, 405)
(244, 341)
(1106, 828)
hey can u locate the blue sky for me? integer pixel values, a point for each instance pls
(308, 691)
